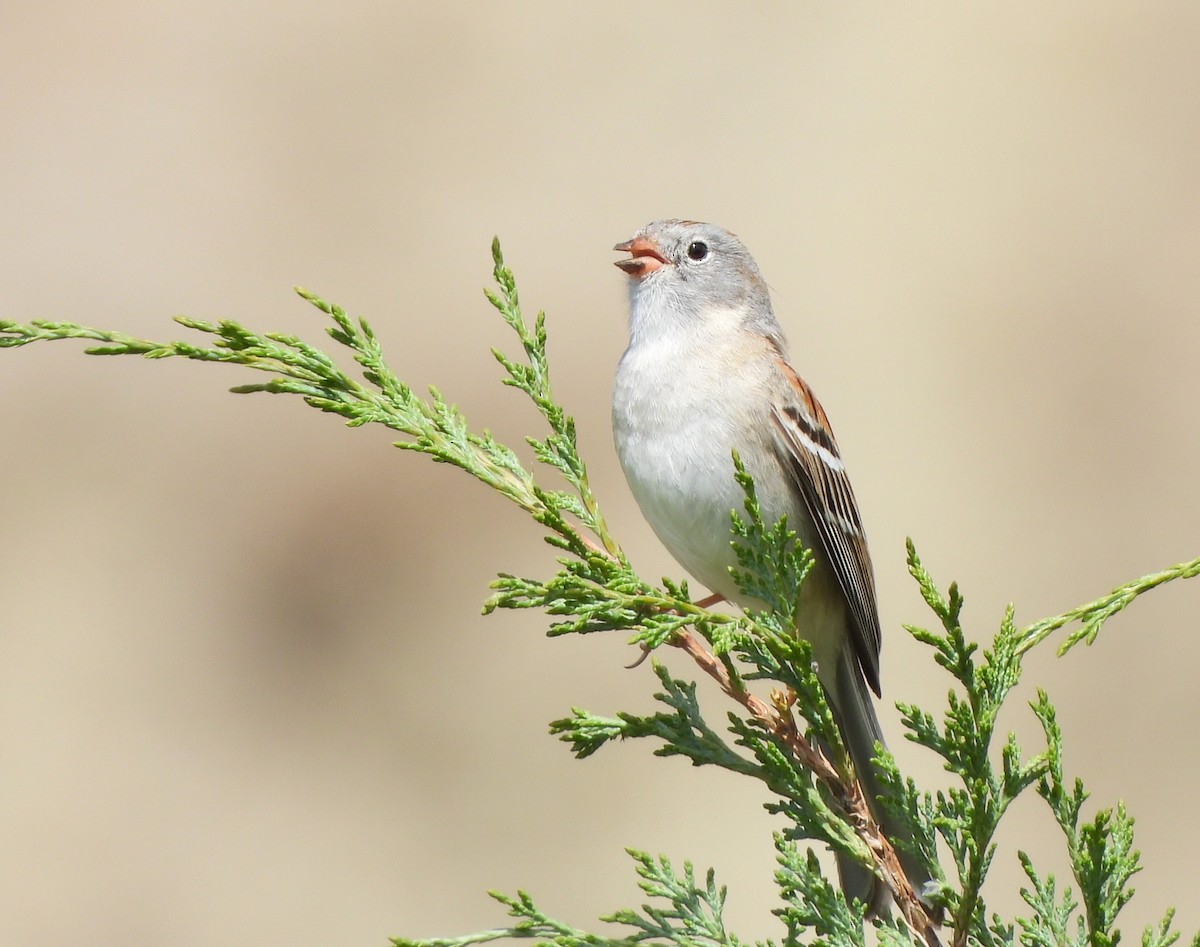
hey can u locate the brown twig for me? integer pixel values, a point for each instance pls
(710, 600)
(777, 718)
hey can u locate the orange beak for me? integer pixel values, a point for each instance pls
(644, 257)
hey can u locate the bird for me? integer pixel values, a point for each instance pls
(707, 373)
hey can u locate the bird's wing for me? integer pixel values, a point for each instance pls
(810, 455)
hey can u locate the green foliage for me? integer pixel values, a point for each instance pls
(767, 738)
(688, 913)
(682, 732)
(811, 902)
(772, 565)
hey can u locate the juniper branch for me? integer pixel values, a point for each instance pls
(595, 589)
(1093, 615)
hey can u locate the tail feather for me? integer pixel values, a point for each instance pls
(855, 713)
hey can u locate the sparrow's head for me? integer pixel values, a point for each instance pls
(686, 270)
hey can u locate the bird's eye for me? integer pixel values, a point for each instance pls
(698, 250)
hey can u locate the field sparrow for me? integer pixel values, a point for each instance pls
(707, 373)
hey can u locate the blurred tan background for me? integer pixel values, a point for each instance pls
(246, 692)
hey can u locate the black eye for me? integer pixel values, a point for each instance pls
(697, 251)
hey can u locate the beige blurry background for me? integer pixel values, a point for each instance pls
(246, 692)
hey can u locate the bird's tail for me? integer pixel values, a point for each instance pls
(855, 711)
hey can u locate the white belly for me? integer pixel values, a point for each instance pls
(676, 444)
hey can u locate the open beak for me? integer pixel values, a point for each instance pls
(644, 257)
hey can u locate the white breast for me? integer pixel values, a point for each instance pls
(677, 417)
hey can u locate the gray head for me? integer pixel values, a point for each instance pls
(686, 270)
